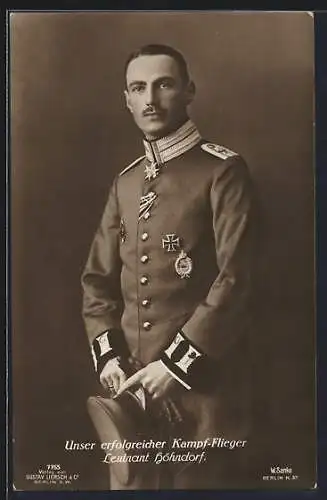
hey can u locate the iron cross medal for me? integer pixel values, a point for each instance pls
(170, 242)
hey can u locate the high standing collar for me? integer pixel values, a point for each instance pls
(173, 145)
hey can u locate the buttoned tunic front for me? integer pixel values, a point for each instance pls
(173, 256)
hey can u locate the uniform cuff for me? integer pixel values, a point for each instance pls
(108, 345)
(185, 384)
(183, 360)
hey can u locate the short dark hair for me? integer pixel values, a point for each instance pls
(158, 49)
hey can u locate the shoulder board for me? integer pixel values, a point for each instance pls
(217, 150)
(131, 165)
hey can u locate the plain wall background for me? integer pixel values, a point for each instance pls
(71, 133)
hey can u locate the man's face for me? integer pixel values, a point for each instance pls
(156, 94)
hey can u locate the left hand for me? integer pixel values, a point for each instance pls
(154, 378)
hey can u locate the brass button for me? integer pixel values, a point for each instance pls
(145, 302)
(144, 259)
(144, 280)
(144, 236)
(147, 325)
(146, 216)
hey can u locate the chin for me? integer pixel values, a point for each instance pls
(155, 131)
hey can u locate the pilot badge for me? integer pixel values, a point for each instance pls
(151, 171)
(183, 265)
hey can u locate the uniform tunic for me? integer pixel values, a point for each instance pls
(169, 276)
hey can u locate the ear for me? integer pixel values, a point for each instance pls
(128, 103)
(190, 92)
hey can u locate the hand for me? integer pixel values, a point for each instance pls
(154, 377)
(112, 376)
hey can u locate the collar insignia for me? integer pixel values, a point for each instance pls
(173, 145)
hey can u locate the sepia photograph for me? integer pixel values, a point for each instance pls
(162, 186)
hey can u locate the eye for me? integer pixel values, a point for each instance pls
(165, 84)
(137, 88)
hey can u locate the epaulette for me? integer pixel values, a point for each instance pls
(131, 165)
(217, 150)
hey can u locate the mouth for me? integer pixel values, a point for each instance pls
(153, 114)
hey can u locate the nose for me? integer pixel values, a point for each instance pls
(150, 95)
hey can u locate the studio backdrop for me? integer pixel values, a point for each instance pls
(70, 134)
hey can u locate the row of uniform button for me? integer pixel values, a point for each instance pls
(144, 259)
(144, 280)
(145, 303)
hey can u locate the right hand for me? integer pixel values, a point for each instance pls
(112, 376)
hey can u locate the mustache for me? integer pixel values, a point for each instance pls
(150, 110)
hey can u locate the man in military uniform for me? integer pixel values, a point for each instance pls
(168, 279)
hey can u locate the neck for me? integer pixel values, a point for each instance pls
(174, 144)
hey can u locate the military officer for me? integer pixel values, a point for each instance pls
(168, 278)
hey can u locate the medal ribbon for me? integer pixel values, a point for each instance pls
(146, 203)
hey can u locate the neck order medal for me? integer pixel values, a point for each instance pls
(151, 171)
